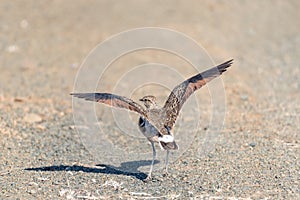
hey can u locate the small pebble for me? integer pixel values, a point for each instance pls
(32, 192)
(74, 65)
(32, 183)
(244, 97)
(41, 127)
(24, 24)
(32, 118)
(19, 99)
(12, 49)
(252, 144)
(210, 155)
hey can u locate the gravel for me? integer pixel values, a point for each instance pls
(256, 155)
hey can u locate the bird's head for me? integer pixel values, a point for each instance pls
(149, 101)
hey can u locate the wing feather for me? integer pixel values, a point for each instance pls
(112, 100)
(183, 91)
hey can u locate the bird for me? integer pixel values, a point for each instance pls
(156, 122)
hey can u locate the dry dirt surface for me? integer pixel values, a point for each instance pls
(42, 46)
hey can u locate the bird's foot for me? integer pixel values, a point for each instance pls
(149, 178)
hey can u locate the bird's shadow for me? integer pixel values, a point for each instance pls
(126, 168)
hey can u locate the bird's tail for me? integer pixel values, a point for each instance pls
(169, 145)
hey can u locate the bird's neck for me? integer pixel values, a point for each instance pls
(152, 106)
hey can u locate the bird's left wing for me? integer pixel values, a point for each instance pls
(182, 91)
(113, 100)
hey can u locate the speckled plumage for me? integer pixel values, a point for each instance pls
(156, 122)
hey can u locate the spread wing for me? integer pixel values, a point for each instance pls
(182, 91)
(113, 100)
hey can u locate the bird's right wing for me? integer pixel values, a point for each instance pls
(113, 100)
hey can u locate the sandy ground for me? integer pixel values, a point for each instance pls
(42, 46)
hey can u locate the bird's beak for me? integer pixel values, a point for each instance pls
(141, 100)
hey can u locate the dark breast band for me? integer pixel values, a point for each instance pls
(141, 122)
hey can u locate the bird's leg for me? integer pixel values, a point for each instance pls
(152, 163)
(167, 162)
